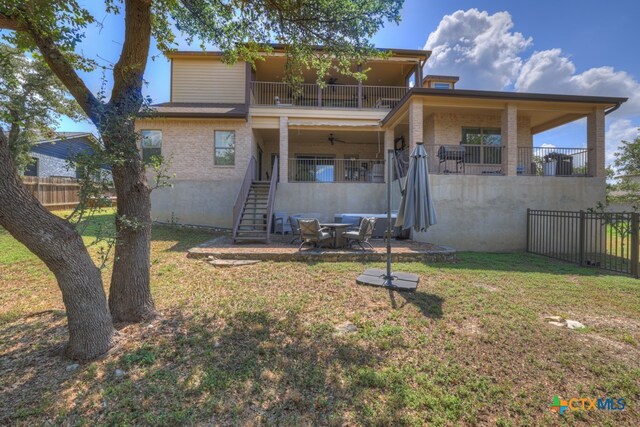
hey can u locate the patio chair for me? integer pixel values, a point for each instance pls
(281, 223)
(362, 235)
(295, 228)
(311, 232)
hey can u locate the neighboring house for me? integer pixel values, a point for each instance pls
(331, 144)
(53, 157)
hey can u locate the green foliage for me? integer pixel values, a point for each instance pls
(32, 100)
(239, 28)
(626, 189)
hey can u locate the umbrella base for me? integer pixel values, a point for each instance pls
(398, 281)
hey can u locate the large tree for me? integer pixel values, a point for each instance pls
(32, 100)
(241, 28)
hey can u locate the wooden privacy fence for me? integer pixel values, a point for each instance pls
(605, 240)
(54, 193)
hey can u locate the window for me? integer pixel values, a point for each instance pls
(32, 168)
(151, 144)
(441, 85)
(483, 145)
(224, 148)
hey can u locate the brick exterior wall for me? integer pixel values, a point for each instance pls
(446, 128)
(188, 146)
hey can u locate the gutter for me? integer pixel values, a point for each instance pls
(612, 109)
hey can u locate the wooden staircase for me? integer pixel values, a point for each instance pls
(253, 219)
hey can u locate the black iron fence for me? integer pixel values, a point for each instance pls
(605, 240)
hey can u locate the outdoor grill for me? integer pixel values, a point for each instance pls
(451, 152)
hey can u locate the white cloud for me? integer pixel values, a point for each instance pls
(545, 145)
(479, 47)
(487, 54)
(550, 71)
(619, 130)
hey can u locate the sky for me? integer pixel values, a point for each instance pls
(579, 47)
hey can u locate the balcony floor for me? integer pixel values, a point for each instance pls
(281, 250)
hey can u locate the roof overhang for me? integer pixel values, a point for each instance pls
(196, 110)
(418, 54)
(550, 110)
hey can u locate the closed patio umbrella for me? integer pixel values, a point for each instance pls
(416, 206)
(416, 210)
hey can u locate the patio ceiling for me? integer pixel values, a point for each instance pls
(382, 73)
(320, 137)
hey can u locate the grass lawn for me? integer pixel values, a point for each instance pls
(258, 345)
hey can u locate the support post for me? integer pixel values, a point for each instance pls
(528, 228)
(360, 88)
(635, 244)
(583, 235)
(388, 148)
(284, 149)
(510, 140)
(416, 125)
(595, 143)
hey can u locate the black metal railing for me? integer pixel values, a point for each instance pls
(331, 170)
(465, 159)
(605, 240)
(553, 161)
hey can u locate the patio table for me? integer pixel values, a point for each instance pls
(338, 229)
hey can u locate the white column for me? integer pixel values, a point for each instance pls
(595, 142)
(416, 128)
(510, 140)
(284, 149)
(388, 145)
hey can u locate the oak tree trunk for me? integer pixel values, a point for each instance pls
(130, 294)
(61, 248)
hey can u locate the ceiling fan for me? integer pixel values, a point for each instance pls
(332, 139)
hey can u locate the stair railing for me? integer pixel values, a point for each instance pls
(249, 177)
(272, 196)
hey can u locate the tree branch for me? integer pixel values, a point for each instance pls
(9, 23)
(58, 63)
(129, 70)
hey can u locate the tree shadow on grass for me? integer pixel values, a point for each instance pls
(184, 238)
(249, 368)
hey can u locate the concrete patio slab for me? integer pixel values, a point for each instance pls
(281, 250)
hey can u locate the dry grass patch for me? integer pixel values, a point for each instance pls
(257, 345)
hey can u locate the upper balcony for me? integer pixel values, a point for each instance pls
(387, 81)
(330, 96)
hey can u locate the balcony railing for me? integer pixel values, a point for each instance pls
(552, 161)
(472, 159)
(465, 159)
(330, 96)
(329, 170)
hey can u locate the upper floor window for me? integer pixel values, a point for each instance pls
(483, 145)
(441, 85)
(224, 148)
(151, 144)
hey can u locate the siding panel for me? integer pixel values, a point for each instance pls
(208, 80)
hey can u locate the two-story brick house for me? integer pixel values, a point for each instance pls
(228, 126)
